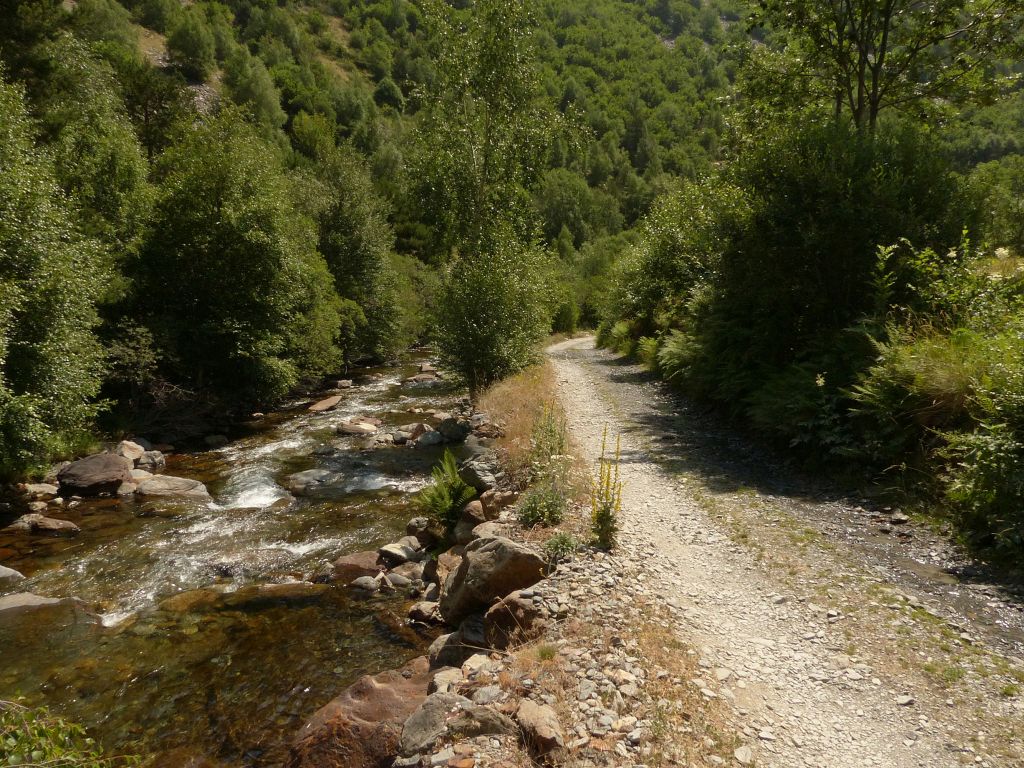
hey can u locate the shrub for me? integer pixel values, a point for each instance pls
(545, 504)
(35, 737)
(446, 495)
(561, 546)
(647, 352)
(606, 497)
(549, 442)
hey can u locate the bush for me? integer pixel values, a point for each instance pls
(35, 737)
(561, 546)
(545, 504)
(447, 494)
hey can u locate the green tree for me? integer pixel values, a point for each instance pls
(250, 86)
(485, 133)
(50, 277)
(862, 57)
(191, 45)
(230, 281)
(356, 241)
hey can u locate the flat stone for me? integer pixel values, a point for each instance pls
(166, 485)
(325, 405)
(355, 428)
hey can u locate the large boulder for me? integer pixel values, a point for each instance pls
(477, 474)
(93, 475)
(490, 569)
(40, 525)
(166, 485)
(350, 567)
(361, 727)
(514, 620)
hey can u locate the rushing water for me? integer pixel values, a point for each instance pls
(229, 685)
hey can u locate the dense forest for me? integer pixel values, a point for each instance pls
(808, 213)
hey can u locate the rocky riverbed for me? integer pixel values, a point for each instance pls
(182, 604)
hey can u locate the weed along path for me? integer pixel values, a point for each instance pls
(825, 649)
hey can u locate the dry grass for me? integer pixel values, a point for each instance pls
(516, 405)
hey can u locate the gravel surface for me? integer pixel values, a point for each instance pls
(823, 658)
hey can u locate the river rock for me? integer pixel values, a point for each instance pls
(489, 530)
(429, 722)
(490, 569)
(9, 577)
(469, 518)
(424, 612)
(355, 428)
(400, 552)
(361, 728)
(421, 528)
(325, 405)
(192, 601)
(494, 501)
(40, 525)
(478, 475)
(429, 439)
(93, 475)
(438, 570)
(152, 461)
(138, 475)
(313, 481)
(25, 610)
(412, 571)
(131, 451)
(454, 430)
(348, 568)
(540, 727)
(453, 649)
(366, 584)
(146, 444)
(258, 594)
(166, 485)
(514, 620)
(40, 491)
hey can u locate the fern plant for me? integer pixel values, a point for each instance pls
(447, 494)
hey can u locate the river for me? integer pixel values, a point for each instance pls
(227, 687)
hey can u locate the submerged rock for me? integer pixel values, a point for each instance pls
(349, 567)
(166, 485)
(361, 728)
(257, 594)
(43, 526)
(25, 610)
(96, 474)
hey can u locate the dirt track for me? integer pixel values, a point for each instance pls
(829, 653)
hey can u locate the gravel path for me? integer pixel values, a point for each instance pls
(819, 669)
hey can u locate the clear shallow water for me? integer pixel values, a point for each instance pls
(230, 684)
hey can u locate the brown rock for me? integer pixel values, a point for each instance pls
(192, 601)
(325, 405)
(96, 474)
(348, 568)
(355, 428)
(131, 451)
(361, 728)
(494, 501)
(424, 612)
(43, 526)
(490, 569)
(513, 620)
(540, 727)
(166, 485)
(258, 594)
